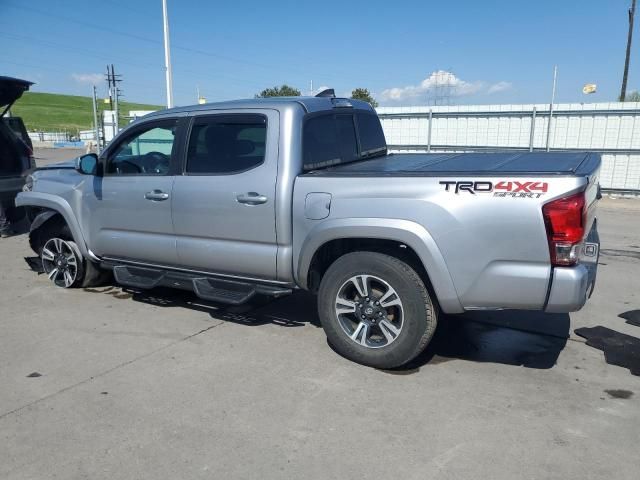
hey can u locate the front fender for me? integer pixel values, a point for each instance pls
(410, 233)
(59, 205)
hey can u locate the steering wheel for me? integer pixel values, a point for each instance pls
(158, 162)
(134, 165)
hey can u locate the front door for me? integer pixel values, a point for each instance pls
(128, 209)
(224, 203)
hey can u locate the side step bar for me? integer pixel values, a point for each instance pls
(208, 288)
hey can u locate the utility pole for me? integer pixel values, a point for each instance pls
(625, 75)
(553, 99)
(116, 127)
(114, 95)
(95, 121)
(167, 56)
(109, 88)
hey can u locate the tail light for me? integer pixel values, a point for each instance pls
(565, 220)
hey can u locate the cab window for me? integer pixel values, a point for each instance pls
(145, 152)
(226, 144)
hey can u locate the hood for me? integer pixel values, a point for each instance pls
(11, 89)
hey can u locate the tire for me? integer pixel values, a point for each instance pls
(396, 329)
(57, 245)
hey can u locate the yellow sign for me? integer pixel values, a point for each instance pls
(589, 88)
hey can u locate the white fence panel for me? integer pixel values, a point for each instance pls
(612, 129)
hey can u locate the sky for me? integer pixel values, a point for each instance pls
(492, 51)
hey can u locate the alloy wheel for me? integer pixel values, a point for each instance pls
(60, 262)
(369, 311)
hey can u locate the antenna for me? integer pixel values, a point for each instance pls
(329, 92)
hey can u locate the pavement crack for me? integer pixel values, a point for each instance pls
(110, 370)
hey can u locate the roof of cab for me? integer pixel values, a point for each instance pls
(309, 104)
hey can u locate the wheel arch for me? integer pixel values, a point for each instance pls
(402, 239)
(53, 208)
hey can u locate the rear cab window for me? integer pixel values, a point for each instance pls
(341, 137)
(371, 135)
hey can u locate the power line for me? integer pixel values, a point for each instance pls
(159, 42)
(183, 91)
(74, 49)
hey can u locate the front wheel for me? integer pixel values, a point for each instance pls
(62, 262)
(375, 309)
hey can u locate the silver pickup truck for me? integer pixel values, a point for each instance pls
(265, 196)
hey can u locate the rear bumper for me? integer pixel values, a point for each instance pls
(572, 286)
(10, 187)
(569, 289)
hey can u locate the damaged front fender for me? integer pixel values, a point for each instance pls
(53, 205)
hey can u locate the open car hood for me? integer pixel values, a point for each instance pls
(11, 89)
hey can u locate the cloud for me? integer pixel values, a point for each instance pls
(448, 82)
(91, 78)
(499, 87)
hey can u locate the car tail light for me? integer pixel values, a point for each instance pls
(565, 220)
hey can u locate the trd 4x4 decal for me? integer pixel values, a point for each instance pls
(503, 188)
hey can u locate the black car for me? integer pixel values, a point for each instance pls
(16, 153)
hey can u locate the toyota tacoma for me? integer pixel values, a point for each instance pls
(265, 196)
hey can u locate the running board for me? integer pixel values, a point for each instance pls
(138, 277)
(233, 293)
(208, 288)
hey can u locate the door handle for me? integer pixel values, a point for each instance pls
(156, 195)
(251, 198)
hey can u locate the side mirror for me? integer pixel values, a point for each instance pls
(87, 164)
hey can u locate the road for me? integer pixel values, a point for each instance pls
(109, 383)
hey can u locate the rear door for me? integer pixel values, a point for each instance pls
(224, 202)
(128, 209)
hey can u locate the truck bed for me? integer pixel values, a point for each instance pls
(488, 164)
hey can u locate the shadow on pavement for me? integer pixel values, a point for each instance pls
(295, 310)
(632, 317)
(619, 349)
(523, 338)
(511, 337)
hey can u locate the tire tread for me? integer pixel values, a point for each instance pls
(358, 260)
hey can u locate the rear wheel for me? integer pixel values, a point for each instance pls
(375, 309)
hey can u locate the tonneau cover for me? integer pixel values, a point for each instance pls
(426, 164)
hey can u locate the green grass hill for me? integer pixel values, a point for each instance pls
(52, 112)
